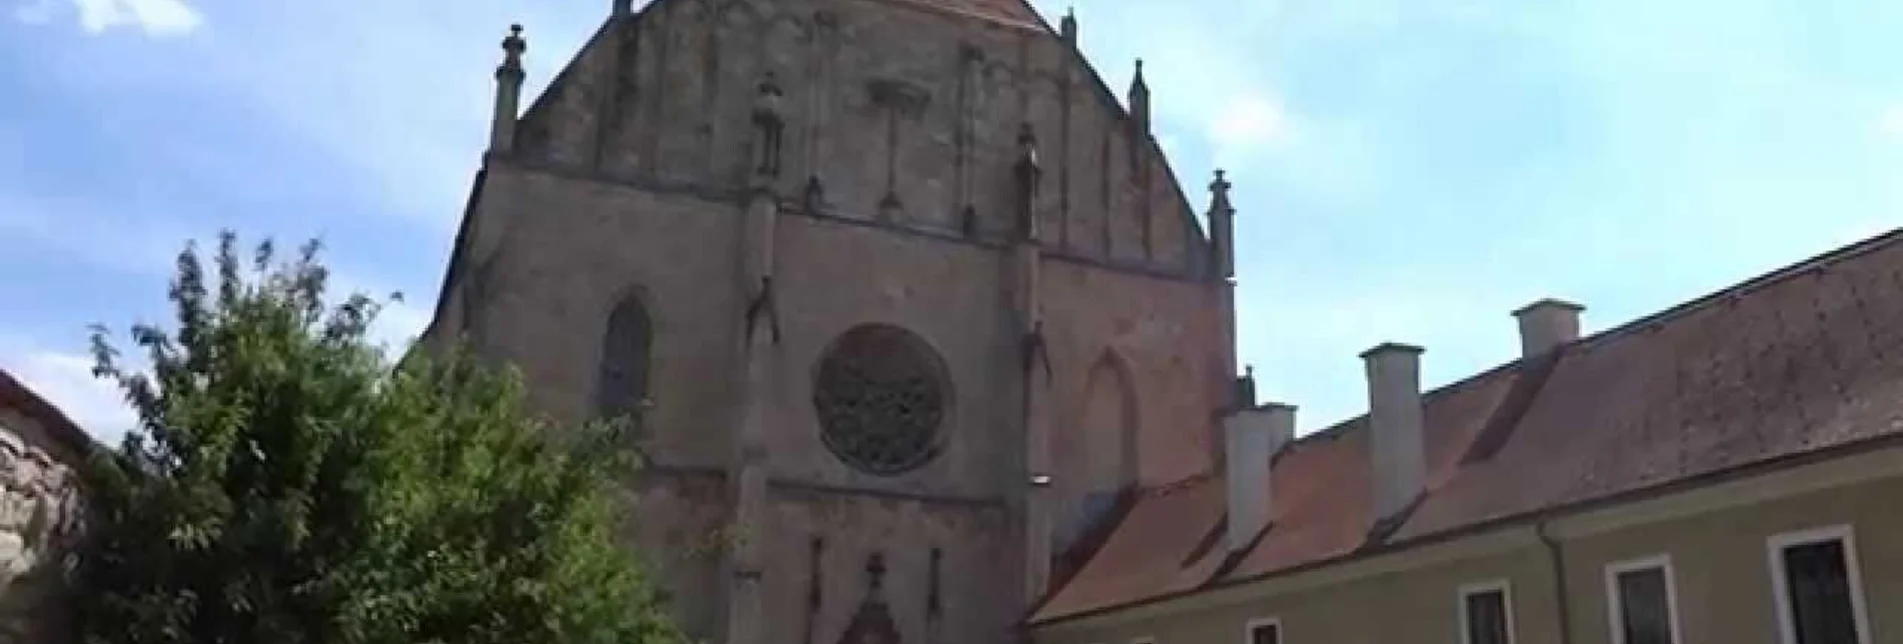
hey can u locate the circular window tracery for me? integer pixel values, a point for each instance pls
(880, 398)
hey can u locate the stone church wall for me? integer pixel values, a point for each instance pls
(564, 252)
(898, 208)
(897, 113)
(1166, 333)
(939, 568)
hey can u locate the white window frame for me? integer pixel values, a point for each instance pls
(1615, 604)
(1774, 547)
(1479, 588)
(1248, 629)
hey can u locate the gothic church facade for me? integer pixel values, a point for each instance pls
(902, 298)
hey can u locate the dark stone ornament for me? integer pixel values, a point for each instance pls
(890, 207)
(880, 397)
(872, 623)
(763, 304)
(934, 605)
(816, 555)
(1029, 171)
(771, 123)
(815, 194)
(1245, 389)
(1035, 352)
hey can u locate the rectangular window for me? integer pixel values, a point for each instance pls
(1485, 614)
(1819, 593)
(1263, 631)
(1642, 601)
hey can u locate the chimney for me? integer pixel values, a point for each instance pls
(622, 8)
(1396, 447)
(1547, 325)
(508, 92)
(1252, 436)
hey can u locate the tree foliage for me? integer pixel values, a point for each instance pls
(287, 484)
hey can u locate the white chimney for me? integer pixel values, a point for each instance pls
(1547, 325)
(1394, 417)
(1252, 436)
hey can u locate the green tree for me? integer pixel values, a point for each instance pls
(287, 484)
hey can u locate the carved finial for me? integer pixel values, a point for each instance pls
(512, 48)
(1140, 100)
(1222, 232)
(1219, 195)
(623, 7)
(508, 92)
(1067, 29)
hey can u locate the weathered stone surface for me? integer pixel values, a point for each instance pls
(881, 99)
(39, 516)
(633, 175)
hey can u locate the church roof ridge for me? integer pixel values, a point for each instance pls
(1819, 262)
(1018, 12)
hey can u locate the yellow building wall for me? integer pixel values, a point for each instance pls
(1722, 567)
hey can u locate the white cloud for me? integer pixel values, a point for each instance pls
(157, 18)
(66, 380)
(154, 17)
(1243, 125)
(1890, 124)
(1250, 119)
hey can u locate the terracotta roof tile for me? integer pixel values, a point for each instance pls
(1156, 547)
(1795, 365)
(1321, 509)
(1806, 358)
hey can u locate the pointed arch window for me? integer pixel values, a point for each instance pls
(1096, 454)
(621, 381)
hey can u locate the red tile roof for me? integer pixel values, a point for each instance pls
(1807, 358)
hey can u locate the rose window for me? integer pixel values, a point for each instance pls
(880, 399)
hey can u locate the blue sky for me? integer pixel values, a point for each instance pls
(1405, 171)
